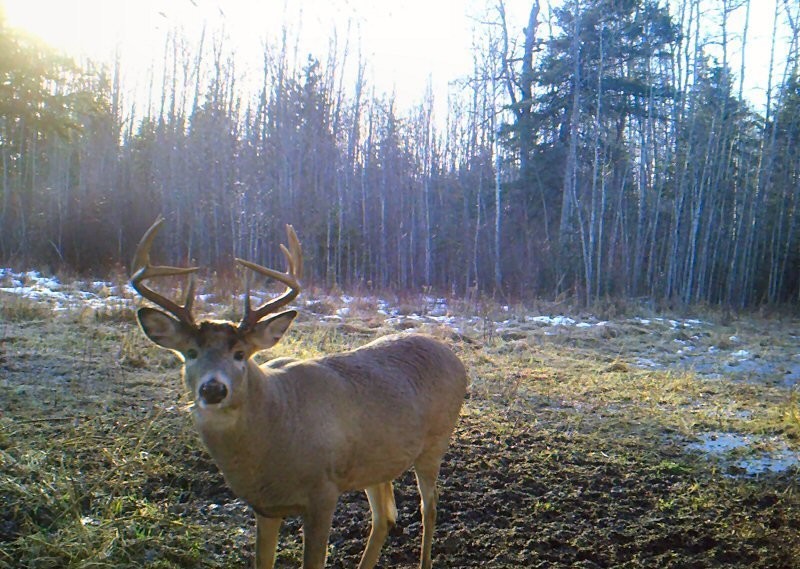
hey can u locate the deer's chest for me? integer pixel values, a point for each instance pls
(269, 481)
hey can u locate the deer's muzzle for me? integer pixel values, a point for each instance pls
(213, 391)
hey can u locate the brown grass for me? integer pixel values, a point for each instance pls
(568, 451)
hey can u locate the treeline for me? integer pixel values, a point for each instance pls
(617, 157)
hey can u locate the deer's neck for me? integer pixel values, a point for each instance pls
(240, 438)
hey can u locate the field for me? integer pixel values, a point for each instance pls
(632, 440)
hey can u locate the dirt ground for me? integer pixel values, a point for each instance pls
(574, 448)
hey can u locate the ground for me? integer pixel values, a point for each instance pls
(633, 440)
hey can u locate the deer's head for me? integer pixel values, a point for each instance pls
(215, 354)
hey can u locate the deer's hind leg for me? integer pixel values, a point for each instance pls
(384, 516)
(426, 469)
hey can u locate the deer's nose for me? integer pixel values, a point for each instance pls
(213, 391)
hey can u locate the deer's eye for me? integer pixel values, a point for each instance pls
(191, 354)
(238, 355)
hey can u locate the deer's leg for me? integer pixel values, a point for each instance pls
(266, 541)
(316, 529)
(427, 472)
(384, 516)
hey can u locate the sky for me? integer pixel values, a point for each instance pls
(403, 50)
(407, 43)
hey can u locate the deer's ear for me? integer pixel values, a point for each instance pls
(269, 331)
(163, 329)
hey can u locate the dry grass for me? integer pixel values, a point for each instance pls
(100, 466)
(14, 308)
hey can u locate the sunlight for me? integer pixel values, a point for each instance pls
(404, 48)
(90, 28)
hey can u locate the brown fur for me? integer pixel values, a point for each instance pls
(291, 436)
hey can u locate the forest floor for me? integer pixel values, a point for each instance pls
(637, 440)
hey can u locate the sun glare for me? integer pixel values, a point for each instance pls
(89, 28)
(404, 48)
(406, 45)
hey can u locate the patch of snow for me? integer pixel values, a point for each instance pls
(256, 298)
(776, 456)
(35, 292)
(34, 286)
(720, 443)
(554, 320)
(674, 324)
(648, 363)
(438, 311)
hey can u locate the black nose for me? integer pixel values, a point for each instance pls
(213, 391)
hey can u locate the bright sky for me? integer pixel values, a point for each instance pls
(406, 43)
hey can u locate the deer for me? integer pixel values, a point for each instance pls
(291, 436)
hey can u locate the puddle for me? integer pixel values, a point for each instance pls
(748, 455)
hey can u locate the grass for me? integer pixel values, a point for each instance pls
(14, 308)
(567, 455)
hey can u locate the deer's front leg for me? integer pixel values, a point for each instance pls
(266, 541)
(317, 521)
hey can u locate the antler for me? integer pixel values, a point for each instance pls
(291, 278)
(141, 270)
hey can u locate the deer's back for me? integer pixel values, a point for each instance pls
(381, 406)
(404, 371)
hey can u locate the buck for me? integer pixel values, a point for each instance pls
(291, 436)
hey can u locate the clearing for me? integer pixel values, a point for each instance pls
(629, 441)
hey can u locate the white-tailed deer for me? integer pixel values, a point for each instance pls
(291, 436)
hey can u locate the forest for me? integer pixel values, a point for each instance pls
(608, 152)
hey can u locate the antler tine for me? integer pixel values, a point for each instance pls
(291, 278)
(142, 270)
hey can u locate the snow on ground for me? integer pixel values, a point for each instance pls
(765, 454)
(692, 350)
(102, 294)
(96, 294)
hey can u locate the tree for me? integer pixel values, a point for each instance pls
(45, 100)
(601, 85)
